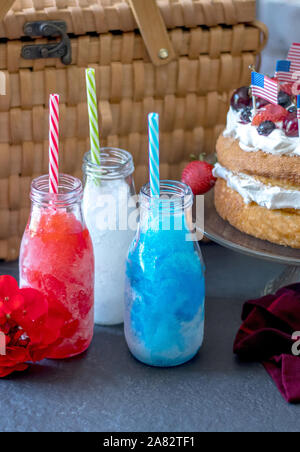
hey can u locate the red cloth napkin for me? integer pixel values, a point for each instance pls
(266, 336)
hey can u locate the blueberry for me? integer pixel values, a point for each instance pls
(266, 127)
(284, 99)
(246, 115)
(293, 109)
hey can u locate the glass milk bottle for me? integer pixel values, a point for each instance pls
(165, 289)
(57, 258)
(106, 205)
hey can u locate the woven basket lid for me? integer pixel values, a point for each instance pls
(102, 16)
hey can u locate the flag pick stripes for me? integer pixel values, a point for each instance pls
(294, 56)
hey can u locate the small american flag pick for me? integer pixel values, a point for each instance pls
(287, 71)
(264, 87)
(283, 71)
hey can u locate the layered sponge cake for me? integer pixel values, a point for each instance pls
(258, 169)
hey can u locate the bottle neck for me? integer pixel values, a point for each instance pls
(56, 213)
(69, 195)
(115, 164)
(170, 210)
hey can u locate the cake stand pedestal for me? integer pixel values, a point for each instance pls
(221, 232)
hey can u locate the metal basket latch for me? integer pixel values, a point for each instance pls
(47, 29)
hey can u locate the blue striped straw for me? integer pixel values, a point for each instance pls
(153, 122)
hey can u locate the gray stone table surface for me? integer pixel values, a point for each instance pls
(108, 390)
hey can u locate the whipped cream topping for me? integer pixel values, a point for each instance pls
(250, 141)
(252, 190)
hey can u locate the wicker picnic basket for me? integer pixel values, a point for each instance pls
(181, 58)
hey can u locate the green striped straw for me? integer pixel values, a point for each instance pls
(93, 115)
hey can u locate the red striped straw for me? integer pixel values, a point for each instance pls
(53, 143)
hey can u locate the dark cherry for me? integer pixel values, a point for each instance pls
(260, 103)
(293, 109)
(241, 98)
(266, 128)
(246, 115)
(284, 99)
(290, 125)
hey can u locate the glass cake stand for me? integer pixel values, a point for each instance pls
(221, 232)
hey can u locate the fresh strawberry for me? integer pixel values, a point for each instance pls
(198, 175)
(270, 112)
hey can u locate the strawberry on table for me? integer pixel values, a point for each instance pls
(198, 175)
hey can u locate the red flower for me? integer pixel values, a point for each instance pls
(10, 298)
(31, 325)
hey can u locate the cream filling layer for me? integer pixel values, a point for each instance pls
(252, 190)
(250, 141)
